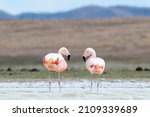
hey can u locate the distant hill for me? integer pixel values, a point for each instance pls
(85, 12)
(4, 15)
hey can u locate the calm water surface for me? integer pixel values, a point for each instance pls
(75, 89)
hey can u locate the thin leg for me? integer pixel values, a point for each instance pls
(54, 75)
(99, 79)
(91, 84)
(49, 82)
(59, 78)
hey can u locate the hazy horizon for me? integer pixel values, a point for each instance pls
(53, 6)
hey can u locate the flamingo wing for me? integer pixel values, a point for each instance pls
(51, 61)
(96, 66)
(54, 62)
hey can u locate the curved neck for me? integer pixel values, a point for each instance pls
(60, 52)
(93, 53)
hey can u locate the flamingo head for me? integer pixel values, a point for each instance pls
(64, 51)
(88, 52)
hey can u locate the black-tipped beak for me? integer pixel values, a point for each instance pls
(84, 58)
(69, 56)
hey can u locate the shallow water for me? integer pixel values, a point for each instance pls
(75, 89)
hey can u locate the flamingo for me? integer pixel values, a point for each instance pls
(56, 62)
(94, 64)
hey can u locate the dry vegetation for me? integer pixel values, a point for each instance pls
(116, 38)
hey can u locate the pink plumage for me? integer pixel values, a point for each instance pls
(94, 64)
(56, 62)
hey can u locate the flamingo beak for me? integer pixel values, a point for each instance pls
(69, 56)
(84, 58)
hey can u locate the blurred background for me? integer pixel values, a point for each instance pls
(119, 31)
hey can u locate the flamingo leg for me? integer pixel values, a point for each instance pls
(99, 79)
(59, 78)
(49, 82)
(91, 84)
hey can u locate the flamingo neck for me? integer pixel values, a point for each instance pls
(60, 51)
(93, 54)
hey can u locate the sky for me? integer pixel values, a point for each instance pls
(52, 6)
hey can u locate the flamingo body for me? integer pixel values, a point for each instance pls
(94, 64)
(55, 62)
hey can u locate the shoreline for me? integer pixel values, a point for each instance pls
(2, 80)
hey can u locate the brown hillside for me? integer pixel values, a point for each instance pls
(127, 38)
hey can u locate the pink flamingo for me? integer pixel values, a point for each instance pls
(94, 64)
(56, 62)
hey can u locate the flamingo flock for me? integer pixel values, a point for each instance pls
(56, 62)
